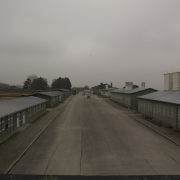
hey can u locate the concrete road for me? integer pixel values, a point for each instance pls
(91, 137)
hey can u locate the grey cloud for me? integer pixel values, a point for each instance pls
(25, 49)
(90, 41)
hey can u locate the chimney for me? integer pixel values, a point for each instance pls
(143, 85)
(106, 86)
(111, 84)
(128, 86)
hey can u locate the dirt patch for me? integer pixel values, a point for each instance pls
(7, 98)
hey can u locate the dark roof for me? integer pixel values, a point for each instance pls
(163, 96)
(101, 86)
(107, 89)
(15, 105)
(95, 87)
(58, 92)
(65, 90)
(118, 90)
(49, 93)
(134, 86)
(130, 91)
(137, 90)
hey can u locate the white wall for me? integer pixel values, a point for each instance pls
(128, 86)
(172, 81)
(175, 81)
(166, 82)
(143, 85)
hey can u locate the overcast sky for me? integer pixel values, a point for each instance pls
(90, 41)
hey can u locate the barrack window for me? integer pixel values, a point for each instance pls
(156, 108)
(159, 109)
(178, 114)
(167, 111)
(164, 110)
(172, 112)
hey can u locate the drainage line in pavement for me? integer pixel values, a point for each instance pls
(7, 171)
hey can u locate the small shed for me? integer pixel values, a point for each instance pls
(14, 113)
(107, 92)
(129, 98)
(162, 106)
(65, 91)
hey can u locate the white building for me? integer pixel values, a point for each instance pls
(172, 81)
(107, 91)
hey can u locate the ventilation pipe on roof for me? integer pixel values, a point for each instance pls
(128, 86)
(143, 85)
(111, 84)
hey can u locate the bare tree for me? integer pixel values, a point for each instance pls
(32, 77)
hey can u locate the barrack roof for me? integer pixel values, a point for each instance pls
(19, 104)
(64, 90)
(118, 90)
(50, 93)
(163, 96)
(137, 90)
(107, 89)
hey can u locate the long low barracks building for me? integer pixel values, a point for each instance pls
(14, 113)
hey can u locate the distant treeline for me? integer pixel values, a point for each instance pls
(61, 83)
(4, 86)
(7, 86)
(38, 83)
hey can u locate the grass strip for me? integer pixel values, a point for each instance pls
(33, 121)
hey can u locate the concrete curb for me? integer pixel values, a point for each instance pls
(156, 131)
(148, 126)
(6, 172)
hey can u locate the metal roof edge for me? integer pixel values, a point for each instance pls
(13, 112)
(140, 89)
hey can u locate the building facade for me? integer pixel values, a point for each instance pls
(52, 97)
(172, 81)
(97, 89)
(128, 96)
(66, 92)
(107, 92)
(16, 112)
(162, 106)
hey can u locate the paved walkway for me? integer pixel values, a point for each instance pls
(168, 132)
(91, 137)
(10, 151)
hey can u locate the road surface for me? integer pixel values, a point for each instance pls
(91, 137)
